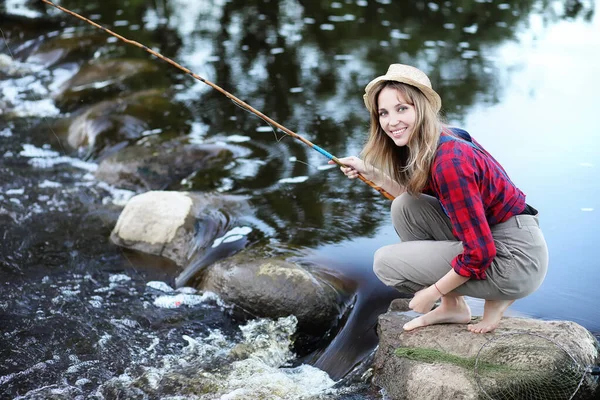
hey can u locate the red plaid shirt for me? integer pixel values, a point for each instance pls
(475, 193)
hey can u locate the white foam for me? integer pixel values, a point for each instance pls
(85, 364)
(118, 278)
(187, 290)
(45, 158)
(118, 197)
(181, 299)
(49, 184)
(95, 303)
(31, 151)
(5, 132)
(161, 286)
(41, 108)
(126, 322)
(82, 382)
(103, 340)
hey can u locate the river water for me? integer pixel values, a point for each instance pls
(81, 318)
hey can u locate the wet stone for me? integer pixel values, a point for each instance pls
(273, 287)
(57, 50)
(167, 223)
(125, 119)
(100, 79)
(438, 361)
(158, 166)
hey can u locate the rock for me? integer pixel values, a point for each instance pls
(130, 118)
(100, 79)
(437, 362)
(273, 287)
(157, 166)
(61, 49)
(163, 223)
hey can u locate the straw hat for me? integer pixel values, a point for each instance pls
(409, 75)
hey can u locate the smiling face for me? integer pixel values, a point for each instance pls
(396, 115)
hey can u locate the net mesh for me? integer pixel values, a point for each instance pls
(535, 368)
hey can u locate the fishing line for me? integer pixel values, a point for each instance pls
(278, 140)
(267, 122)
(225, 93)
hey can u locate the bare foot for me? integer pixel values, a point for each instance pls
(492, 314)
(453, 310)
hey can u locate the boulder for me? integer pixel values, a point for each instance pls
(163, 223)
(153, 164)
(438, 362)
(273, 287)
(100, 79)
(60, 49)
(125, 119)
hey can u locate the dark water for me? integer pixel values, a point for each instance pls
(78, 319)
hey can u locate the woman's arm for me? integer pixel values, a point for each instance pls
(355, 166)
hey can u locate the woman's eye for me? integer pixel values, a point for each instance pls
(403, 108)
(382, 114)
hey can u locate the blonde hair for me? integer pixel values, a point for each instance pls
(408, 165)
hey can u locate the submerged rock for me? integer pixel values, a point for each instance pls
(130, 118)
(60, 49)
(438, 362)
(276, 287)
(100, 79)
(157, 166)
(163, 223)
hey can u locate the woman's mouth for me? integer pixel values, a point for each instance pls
(398, 132)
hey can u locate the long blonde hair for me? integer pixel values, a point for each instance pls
(408, 165)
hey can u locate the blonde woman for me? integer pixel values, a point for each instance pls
(465, 228)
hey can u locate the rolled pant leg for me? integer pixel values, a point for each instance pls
(427, 248)
(411, 266)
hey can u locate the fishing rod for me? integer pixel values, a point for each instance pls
(226, 93)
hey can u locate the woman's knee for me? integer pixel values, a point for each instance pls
(402, 205)
(385, 266)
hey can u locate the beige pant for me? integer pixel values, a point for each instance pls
(428, 246)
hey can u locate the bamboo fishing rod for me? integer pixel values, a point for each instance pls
(226, 93)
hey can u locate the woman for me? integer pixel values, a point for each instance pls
(465, 228)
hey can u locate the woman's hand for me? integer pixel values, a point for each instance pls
(354, 166)
(424, 300)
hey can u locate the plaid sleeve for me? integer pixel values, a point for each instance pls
(456, 180)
